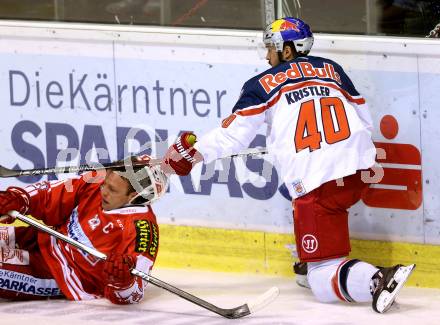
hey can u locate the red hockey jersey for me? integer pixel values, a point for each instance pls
(73, 207)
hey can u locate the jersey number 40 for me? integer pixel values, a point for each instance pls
(334, 123)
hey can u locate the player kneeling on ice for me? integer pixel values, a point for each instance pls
(109, 211)
(319, 131)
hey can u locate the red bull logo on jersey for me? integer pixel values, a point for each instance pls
(296, 71)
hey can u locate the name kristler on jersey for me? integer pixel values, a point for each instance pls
(299, 94)
(297, 71)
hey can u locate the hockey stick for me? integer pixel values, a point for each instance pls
(236, 312)
(6, 172)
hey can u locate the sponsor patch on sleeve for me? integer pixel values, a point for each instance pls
(299, 188)
(14, 256)
(147, 237)
(7, 237)
(155, 240)
(143, 236)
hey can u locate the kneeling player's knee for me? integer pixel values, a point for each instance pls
(320, 276)
(341, 279)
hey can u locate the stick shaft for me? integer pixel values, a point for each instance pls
(6, 172)
(248, 152)
(52, 232)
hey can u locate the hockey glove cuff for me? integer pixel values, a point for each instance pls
(181, 156)
(14, 198)
(117, 271)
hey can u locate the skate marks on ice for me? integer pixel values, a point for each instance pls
(294, 305)
(162, 311)
(158, 307)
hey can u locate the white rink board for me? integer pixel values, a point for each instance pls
(73, 86)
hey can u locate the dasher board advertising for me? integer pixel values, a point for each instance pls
(67, 100)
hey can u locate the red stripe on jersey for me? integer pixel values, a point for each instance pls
(261, 109)
(253, 111)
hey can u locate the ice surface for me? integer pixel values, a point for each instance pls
(294, 305)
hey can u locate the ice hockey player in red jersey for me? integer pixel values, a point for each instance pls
(110, 212)
(319, 133)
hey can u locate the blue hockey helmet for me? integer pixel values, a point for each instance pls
(289, 29)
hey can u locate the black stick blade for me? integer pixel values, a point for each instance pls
(237, 312)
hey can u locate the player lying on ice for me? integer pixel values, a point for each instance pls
(319, 131)
(104, 212)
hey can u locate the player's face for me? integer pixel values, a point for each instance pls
(272, 56)
(114, 192)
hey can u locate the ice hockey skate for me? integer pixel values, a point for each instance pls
(300, 270)
(388, 282)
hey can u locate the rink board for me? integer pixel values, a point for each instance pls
(225, 250)
(74, 93)
(257, 252)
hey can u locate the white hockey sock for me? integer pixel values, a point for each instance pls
(359, 281)
(341, 279)
(319, 276)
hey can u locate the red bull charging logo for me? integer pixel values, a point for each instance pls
(283, 25)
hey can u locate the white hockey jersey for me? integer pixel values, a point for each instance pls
(318, 125)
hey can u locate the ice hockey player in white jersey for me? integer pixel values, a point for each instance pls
(319, 131)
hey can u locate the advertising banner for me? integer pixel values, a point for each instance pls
(67, 100)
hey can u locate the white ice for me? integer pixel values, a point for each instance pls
(294, 305)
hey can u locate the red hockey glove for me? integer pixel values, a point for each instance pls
(14, 198)
(117, 271)
(181, 156)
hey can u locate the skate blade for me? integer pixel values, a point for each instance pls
(301, 280)
(386, 299)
